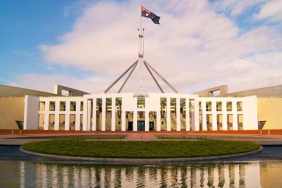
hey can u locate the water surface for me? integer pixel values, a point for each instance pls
(250, 174)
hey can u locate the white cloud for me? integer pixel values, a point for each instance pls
(194, 47)
(235, 7)
(272, 10)
(46, 82)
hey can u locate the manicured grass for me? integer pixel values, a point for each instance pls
(138, 149)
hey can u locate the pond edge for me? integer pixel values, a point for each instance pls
(138, 161)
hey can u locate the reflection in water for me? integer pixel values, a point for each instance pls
(242, 175)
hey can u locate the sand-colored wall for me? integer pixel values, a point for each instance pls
(11, 109)
(270, 110)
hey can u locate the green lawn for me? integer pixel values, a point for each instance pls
(137, 149)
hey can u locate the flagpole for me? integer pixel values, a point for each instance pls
(141, 37)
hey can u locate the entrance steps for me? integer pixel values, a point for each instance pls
(140, 136)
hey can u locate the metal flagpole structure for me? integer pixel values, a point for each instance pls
(130, 70)
(160, 76)
(124, 73)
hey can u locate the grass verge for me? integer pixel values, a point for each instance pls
(138, 149)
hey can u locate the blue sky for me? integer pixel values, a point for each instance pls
(85, 43)
(24, 26)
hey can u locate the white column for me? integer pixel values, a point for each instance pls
(44, 172)
(94, 127)
(102, 178)
(178, 176)
(86, 114)
(135, 121)
(205, 177)
(215, 176)
(113, 175)
(197, 177)
(103, 123)
(54, 176)
(46, 115)
(158, 177)
(113, 127)
(84, 177)
(158, 120)
(67, 116)
(65, 177)
(93, 176)
(214, 116)
(196, 115)
(169, 178)
(187, 115)
(147, 120)
(168, 118)
(76, 179)
(147, 182)
(188, 177)
(123, 120)
(224, 115)
(235, 114)
(57, 111)
(178, 123)
(204, 115)
(226, 175)
(236, 175)
(123, 179)
(77, 116)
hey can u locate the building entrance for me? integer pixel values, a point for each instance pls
(130, 126)
(141, 125)
(151, 126)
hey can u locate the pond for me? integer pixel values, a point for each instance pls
(261, 170)
(28, 174)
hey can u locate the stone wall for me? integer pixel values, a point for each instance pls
(11, 110)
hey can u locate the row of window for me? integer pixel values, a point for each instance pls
(219, 121)
(140, 104)
(219, 106)
(62, 106)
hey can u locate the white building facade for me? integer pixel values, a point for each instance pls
(141, 112)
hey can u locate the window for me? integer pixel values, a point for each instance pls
(215, 93)
(52, 106)
(62, 106)
(218, 106)
(163, 107)
(81, 106)
(229, 106)
(173, 105)
(239, 106)
(42, 106)
(118, 105)
(61, 122)
(191, 105)
(229, 122)
(51, 121)
(109, 104)
(182, 105)
(72, 106)
(240, 121)
(208, 106)
(99, 104)
(65, 92)
(141, 102)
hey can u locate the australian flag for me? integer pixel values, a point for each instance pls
(148, 14)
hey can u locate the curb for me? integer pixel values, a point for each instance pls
(138, 161)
